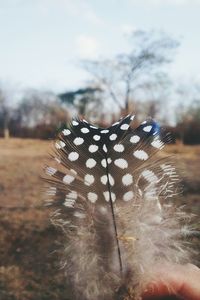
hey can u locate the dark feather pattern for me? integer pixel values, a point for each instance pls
(112, 189)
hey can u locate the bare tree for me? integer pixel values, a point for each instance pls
(187, 112)
(5, 113)
(86, 101)
(123, 77)
(188, 95)
(38, 107)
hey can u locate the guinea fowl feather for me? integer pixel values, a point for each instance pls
(113, 193)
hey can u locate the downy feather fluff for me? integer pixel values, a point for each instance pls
(113, 193)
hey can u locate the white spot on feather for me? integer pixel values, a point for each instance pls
(66, 132)
(147, 128)
(105, 148)
(141, 154)
(69, 203)
(88, 179)
(91, 163)
(150, 176)
(78, 141)
(84, 130)
(113, 196)
(70, 199)
(105, 131)
(124, 126)
(134, 139)
(75, 123)
(113, 137)
(68, 179)
(92, 197)
(128, 196)
(104, 179)
(118, 148)
(157, 144)
(121, 163)
(103, 163)
(111, 179)
(51, 191)
(96, 137)
(93, 148)
(60, 144)
(107, 196)
(109, 160)
(72, 195)
(127, 179)
(73, 156)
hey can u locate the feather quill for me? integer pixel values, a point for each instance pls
(113, 193)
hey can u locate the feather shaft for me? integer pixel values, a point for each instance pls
(114, 222)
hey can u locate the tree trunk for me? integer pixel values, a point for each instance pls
(6, 133)
(6, 128)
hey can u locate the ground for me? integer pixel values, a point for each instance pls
(29, 264)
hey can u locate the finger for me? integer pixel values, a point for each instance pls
(180, 281)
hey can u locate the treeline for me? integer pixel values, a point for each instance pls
(37, 115)
(136, 81)
(42, 114)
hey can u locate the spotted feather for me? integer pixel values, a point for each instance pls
(112, 188)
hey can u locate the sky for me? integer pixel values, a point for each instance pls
(43, 41)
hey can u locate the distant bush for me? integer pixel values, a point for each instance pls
(187, 133)
(41, 131)
(191, 134)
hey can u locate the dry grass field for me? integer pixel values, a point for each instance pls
(29, 268)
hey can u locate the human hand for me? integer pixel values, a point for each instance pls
(174, 282)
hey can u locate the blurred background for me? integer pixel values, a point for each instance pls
(99, 60)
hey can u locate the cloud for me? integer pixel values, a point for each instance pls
(87, 46)
(76, 8)
(127, 29)
(81, 8)
(165, 2)
(92, 17)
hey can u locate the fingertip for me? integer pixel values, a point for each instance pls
(158, 289)
(176, 282)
